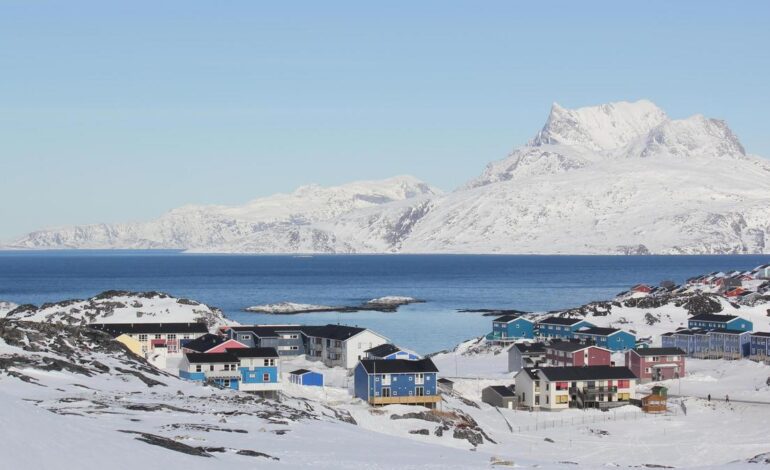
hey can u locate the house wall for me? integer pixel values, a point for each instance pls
(643, 366)
(362, 383)
(619, 341)
(491, 397)
(518, 328)
(312, 379)
(560, 331)
(759, 346)
(232, 344)
(403, 385)
(353, 349)
(173, 341)
(526, 392)
(549, 392)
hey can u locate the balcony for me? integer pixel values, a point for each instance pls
(412, 400)
(222, 374)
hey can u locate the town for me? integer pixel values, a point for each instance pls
(555, 362)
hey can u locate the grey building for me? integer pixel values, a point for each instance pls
(499, 396)
(521, 355)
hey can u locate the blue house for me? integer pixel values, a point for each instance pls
(306, 377)
(389, 351)
(397, 381)
(711, 321)
(559, 327)
(729, 344)
(510, 328)
(246, 369)
(695, 343)
(609, 338)
(759, 345)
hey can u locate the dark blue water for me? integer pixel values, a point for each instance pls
(446, 282)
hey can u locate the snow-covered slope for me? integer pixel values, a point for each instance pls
(6, 307)
(619, 178)
(122, 307)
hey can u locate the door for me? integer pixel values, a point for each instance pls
(510, 405)
(385, 392)
(419, 391)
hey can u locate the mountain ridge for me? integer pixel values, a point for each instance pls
(619, 178)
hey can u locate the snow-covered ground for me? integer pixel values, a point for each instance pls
(6, 307)
(288, 307)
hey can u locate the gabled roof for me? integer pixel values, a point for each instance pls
(560, 321)
(713, 317)
(397, 366)
(253, 352)
(205, 342)
(595, 330)
(336, 332)
(530, 347)
(509, 318)
(530, 371)
(502, 390)
(383, 350)
(587, 373)
(571, 346)
(658, 351)
(117, 329)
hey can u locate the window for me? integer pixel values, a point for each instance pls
(142, 338)
(561, 399)
(269, 362)
(185, 336)
(198, 368)
(266, 377)
(158, 336)
(226, 383)
(211, 368)
(561, 385)
(386, 379)
(245, 337)
(171, 336)
(419, 378)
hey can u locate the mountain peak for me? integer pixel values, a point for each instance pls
(603, 127)
(696, 135)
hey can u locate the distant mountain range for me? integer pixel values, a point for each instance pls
(620, 178)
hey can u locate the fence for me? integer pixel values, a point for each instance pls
(590, 419)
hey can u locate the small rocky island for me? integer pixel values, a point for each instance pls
(380, 304)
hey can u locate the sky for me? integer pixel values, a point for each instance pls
(120, 111)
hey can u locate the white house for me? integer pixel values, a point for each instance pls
(340, 345)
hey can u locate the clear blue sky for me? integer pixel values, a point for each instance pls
(115, 111)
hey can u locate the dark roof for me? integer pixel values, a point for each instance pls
(728, 331)
(336, 332)
(299, 372)
(117, 329)
(508, 318)
(713, 317)
(383, 350)
(587, 373)
(531, 372)
(253, 352)
(560, 321)
(760, 333)
(205, 342)
(444, 381)
(595, 330)
(570, 346)
(397, 366)
(502, 390)
(659, 351)
(530, 347)
(218, 358)
(689, 332)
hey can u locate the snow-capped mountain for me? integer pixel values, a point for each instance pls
(617, 178)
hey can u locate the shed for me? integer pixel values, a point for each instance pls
(499, 396)
(445, 385)
(306, 377)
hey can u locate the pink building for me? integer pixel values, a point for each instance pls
(654, 364)
(575, 354)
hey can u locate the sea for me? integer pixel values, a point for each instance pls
(447, 284)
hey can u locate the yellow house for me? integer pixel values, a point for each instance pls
(132, 344)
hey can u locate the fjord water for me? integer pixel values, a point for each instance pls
(446, 282)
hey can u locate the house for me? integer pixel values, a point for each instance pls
(559, 327)
(499, 396)
(576, 354)
(306, 377)
(131, 343)
(397, 381)
(694, 342)
(728, 282)
(759, 346)
(712, 321)
(247, 369)
(657, 401)
(654, 364)
(511, 327)
(389, 351)
(334, 345)
(171, 336)
(763, 272)
(521, 355)
(609, 338)
(209, 343)
(728, 344)
(642, 288)
(737, 292)
(558, 388)
(288, 340)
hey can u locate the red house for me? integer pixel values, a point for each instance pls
(574, 354)
(737, 292)
(654, 364)
(642, 288)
